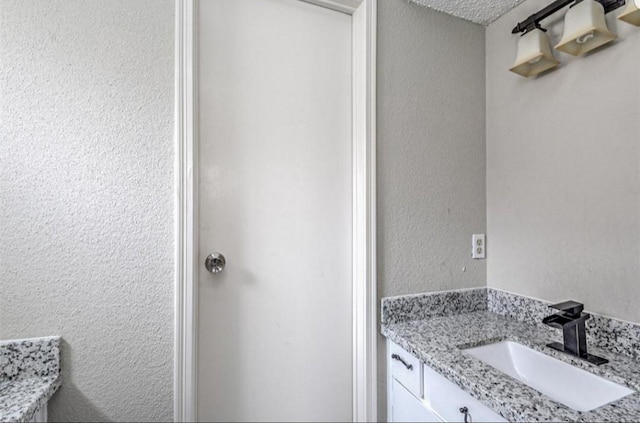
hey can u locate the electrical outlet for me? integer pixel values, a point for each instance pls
(479, 250)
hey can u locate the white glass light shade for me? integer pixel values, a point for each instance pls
(632, 13)
(585, 29)
(534, 54)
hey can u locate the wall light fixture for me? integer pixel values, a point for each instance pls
(632, 13)
(534, 54)
(585, 29)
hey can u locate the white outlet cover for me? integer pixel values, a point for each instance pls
(479, 246)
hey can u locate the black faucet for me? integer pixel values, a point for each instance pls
(572, 322)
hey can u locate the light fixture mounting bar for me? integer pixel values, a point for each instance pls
(533, 21)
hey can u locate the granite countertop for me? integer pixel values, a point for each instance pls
(21, 399)
(438, 341)
(29, 376)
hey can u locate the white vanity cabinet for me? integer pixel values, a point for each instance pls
(417, 393)
(405, 387)
(41, 415)
(405, 407)
(447, 399)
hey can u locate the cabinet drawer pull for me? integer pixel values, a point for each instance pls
(401, 360)
(467, 416)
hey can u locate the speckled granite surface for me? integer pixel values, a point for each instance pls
(21, 399)
(612, 334)
(423, 306)
(28, 358)
(438, 342)
(29, 376)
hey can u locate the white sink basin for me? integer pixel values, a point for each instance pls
(562, 382)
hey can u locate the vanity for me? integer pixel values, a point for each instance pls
(29, 376)
(420, 394)
(482, 355)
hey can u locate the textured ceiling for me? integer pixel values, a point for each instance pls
(479, 11)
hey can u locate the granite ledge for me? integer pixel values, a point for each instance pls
(21, 399)
(29, 376)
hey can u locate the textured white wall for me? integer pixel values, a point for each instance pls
(431, 153)
(563, 172)
(86, 197)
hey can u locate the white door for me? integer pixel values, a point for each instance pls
(275, 326)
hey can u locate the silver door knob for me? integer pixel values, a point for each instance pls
(215, 263)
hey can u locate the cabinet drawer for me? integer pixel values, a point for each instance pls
(405, 368)
(407, 408)
(446, 399)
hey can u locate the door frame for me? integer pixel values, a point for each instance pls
(364, 27)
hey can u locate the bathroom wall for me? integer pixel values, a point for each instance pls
(431, 149)
(563, 172)
(431, 153)
(87, 198)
